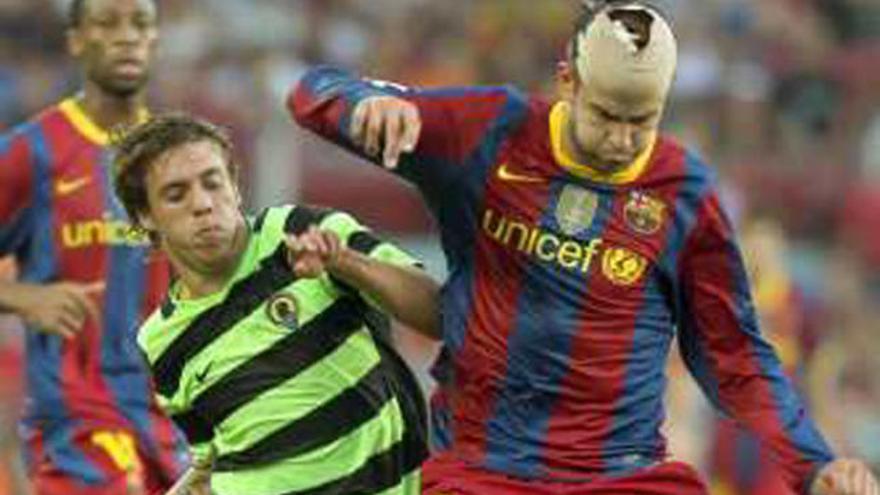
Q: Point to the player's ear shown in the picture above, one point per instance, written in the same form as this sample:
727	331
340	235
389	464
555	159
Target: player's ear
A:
238	198
565	80
146	221
75	43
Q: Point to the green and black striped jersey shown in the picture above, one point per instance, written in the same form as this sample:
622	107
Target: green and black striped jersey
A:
282	378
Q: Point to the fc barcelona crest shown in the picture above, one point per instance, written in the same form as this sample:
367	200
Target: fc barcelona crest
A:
576	209
644	213
282	310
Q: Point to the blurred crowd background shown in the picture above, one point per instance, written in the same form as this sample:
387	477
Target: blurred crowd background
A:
783	96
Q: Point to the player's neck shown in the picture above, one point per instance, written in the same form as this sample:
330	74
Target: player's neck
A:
109	111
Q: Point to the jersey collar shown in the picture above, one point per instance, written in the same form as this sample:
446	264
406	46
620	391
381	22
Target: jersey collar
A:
559	116
74	112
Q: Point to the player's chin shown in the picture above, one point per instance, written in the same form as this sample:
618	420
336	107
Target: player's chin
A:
212	255
125	85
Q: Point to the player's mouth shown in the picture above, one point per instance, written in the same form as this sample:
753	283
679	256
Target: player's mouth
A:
619	158
129	67
208	236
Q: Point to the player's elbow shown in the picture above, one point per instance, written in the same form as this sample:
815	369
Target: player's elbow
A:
298	104
315	93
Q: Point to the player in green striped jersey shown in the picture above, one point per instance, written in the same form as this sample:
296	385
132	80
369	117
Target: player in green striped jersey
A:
263	352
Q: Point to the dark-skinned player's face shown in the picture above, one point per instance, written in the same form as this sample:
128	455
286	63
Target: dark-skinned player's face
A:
114	43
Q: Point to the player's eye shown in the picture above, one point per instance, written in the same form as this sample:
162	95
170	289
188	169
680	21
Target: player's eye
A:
105	22
174	194
212	181
143	22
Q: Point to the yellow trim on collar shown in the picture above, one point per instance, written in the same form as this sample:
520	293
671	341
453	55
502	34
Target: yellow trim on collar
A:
86	126
558	119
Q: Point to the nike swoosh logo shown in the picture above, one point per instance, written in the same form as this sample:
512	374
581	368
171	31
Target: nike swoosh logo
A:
69	186
506	175
201	375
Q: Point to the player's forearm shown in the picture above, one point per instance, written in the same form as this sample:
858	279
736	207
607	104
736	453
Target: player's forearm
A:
407	294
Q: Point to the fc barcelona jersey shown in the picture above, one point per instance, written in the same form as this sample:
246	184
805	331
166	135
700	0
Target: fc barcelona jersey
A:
62	223
567	287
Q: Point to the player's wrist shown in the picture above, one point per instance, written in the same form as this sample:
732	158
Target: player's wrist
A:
345	264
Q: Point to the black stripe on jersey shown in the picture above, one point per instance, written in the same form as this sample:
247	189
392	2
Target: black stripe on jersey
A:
332	420
303	216
194	427
363	242
381	472
167	308
261	218
282	361
245	296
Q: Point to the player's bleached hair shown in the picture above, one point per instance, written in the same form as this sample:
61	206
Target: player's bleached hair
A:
138	148
628	44
590	9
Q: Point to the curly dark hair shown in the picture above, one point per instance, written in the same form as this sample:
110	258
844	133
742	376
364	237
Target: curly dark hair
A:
138	148
76	11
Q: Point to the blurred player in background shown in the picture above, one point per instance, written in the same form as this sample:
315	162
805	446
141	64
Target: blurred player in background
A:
264	349
90	425
579	241
12	481
739	465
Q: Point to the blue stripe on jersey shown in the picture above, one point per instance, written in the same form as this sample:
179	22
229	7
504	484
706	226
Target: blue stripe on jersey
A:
122	366
44	352
66	455
639	412
464	204
534	378
13	233
40	264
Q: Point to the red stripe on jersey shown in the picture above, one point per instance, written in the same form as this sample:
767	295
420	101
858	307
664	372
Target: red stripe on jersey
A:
168	441
472	118
16	176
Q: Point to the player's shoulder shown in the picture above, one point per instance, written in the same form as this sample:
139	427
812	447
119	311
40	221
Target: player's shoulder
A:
673	160
273	223
536	110
289	218
37	131
36	122
152	334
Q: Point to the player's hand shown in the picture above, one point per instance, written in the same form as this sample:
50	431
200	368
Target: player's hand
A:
386	124
313	252
200	484
134	483
60	308
845	477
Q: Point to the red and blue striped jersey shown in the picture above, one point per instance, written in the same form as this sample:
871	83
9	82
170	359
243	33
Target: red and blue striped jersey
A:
61	221
567	286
